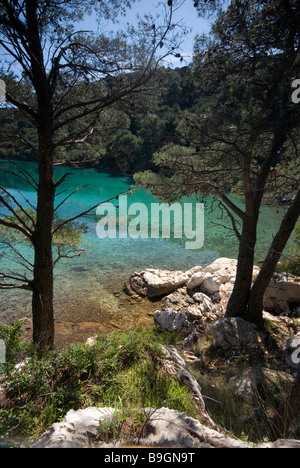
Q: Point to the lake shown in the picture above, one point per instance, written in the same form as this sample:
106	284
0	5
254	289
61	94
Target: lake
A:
89	288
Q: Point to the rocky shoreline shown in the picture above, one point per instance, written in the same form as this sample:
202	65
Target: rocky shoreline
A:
193	303
202	293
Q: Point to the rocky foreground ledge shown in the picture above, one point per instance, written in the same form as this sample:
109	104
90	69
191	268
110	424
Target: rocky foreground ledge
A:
166	428
194	302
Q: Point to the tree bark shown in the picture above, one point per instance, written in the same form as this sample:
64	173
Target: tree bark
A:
255	306
42	296
42	286
237	304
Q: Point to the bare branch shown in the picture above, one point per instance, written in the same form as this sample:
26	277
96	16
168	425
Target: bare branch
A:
13	211
26	175
69	254
63	179
15	277
74	141
70	195
87	211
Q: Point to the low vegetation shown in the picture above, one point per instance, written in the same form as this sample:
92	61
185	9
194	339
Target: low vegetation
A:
119	370
122	370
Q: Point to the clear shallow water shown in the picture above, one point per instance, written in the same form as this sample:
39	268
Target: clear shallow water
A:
87	288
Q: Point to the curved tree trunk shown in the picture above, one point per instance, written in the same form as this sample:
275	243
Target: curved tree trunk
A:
255	306
237	304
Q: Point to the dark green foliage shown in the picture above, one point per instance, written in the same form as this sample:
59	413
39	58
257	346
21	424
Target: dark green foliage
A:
11	334
125	137
117	367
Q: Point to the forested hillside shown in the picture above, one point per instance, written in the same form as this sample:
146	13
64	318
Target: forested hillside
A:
126	136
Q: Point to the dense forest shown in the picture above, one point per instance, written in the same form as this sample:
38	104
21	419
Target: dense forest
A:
127	135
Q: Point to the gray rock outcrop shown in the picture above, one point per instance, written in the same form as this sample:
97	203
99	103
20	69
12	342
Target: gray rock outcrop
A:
283	293
254	381
171	320
217	279
165	428
234	332
156	283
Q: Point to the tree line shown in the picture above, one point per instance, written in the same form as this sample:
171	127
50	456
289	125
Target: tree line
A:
125	136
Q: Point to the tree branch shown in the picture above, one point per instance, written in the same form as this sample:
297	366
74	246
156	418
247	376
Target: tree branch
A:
7	205
86	212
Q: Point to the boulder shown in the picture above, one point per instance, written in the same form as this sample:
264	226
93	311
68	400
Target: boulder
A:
283	293
192	271
156	283
78	429
196	280
171	320
292	343
292	348
179	300
224	268
165	428
203	306
234	332
136	285
206	281
194	312
211	284
259	380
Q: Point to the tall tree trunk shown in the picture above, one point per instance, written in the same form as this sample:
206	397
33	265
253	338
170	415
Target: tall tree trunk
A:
255	306
237	304
42	298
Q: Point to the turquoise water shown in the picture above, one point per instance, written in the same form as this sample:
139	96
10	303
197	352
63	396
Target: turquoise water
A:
86	286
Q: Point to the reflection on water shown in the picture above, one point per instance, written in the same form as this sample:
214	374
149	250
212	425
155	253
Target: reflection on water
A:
87	288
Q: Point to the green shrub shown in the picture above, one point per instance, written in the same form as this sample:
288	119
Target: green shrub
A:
14	346
118	365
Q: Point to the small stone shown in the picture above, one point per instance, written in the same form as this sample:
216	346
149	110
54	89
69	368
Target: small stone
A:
172	320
